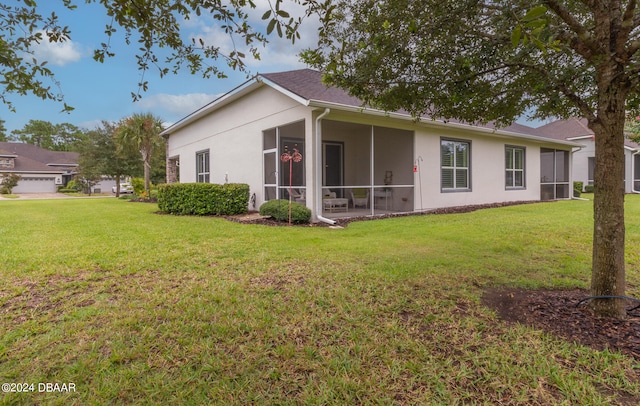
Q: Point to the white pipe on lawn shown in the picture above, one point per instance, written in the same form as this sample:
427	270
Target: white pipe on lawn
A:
318	185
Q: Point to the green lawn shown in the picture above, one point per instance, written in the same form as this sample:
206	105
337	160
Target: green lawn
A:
139	308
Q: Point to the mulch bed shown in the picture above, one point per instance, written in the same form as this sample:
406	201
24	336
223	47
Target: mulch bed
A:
558	312
255	218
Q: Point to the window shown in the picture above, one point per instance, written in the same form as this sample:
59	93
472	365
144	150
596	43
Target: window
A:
202	166
591	166
514	167
455	165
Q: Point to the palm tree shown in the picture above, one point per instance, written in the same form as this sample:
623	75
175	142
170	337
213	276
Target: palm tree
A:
141	131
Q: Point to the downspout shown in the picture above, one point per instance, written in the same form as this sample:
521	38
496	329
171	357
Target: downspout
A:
318	185
633	172
571	185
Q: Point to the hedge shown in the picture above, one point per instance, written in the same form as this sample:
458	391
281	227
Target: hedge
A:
203	198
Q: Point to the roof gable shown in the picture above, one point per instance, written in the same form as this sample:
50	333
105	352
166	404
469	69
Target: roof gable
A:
31	158
307	84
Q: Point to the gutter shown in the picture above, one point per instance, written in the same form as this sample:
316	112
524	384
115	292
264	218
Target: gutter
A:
318	182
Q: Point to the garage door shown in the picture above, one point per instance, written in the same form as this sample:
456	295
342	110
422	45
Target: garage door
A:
36	185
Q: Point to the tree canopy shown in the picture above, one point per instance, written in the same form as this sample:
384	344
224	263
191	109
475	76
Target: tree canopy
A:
494	60
154	26
54	137
141	132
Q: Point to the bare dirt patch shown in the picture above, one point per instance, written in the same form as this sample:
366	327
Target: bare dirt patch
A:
559	312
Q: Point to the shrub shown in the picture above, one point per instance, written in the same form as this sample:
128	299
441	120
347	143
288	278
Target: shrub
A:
138	186
588	189
279	210
577	188
73	185
204	198
8	183
67	190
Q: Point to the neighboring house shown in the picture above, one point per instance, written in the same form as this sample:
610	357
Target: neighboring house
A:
388	158
41	170
576	129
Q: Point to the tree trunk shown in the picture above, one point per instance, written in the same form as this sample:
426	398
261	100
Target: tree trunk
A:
147	178
608	264
146	160
117	185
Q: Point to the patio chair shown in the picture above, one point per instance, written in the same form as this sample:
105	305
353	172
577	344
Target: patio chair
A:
360	197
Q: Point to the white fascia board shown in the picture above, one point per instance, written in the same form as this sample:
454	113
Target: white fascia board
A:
247	87
440	123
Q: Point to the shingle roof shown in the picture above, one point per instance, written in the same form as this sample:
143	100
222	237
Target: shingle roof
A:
572	128
31	158
307	83
563	129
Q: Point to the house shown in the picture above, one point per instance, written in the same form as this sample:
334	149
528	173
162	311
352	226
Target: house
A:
393	162
576	129
41	170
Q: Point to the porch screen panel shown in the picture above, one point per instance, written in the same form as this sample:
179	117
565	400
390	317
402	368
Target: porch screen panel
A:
270	168
562	166
554	174
547	164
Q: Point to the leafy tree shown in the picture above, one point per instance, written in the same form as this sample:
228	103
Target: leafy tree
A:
99	154
3	131
159	163
54	137
153	24
9	181
479	61
141	132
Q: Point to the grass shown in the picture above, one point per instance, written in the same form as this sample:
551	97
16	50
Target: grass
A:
138	308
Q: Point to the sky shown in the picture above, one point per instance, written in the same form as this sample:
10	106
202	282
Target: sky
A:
102	91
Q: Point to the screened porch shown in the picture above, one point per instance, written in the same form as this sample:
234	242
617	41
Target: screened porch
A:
366	170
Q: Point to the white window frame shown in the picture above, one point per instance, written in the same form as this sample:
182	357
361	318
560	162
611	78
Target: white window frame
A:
512	150
203	166
456	166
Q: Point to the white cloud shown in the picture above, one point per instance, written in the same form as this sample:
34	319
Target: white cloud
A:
56	53
182	104
278	54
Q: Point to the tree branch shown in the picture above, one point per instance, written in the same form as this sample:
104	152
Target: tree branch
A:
584	107
582	39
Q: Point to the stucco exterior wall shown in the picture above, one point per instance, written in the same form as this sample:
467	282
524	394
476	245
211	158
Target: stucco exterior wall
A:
581	163
233	136
487	170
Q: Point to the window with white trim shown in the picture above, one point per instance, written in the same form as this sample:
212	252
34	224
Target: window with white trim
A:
514	162
455	173
202	166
